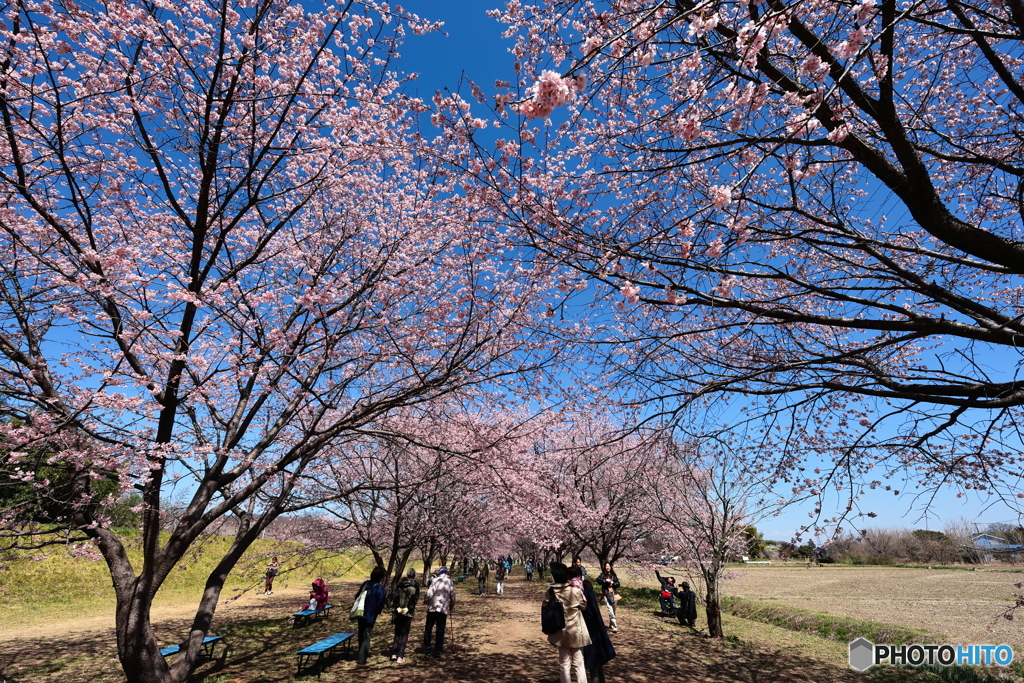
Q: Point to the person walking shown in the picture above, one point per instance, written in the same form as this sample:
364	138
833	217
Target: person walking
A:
571	640
609	583
482	571
529	570
376	601
440	603
404	604
600	650
268	577
499	579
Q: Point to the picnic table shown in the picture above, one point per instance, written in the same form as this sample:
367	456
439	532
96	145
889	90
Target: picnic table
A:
307	615
320	650
207	649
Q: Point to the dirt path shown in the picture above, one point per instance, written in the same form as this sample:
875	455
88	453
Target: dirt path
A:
491	638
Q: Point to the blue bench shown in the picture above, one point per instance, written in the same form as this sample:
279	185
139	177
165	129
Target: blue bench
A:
322	649
207	650
460	578
307	615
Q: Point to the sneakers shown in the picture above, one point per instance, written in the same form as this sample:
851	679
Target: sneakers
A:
400	660
394	658
615	630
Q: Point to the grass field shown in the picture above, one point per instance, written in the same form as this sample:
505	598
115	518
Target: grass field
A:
959	606
40	587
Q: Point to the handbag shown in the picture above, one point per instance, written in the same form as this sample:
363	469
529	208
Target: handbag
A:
616	596
359	606
552	615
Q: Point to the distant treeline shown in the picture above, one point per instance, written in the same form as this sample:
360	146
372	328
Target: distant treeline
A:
958	544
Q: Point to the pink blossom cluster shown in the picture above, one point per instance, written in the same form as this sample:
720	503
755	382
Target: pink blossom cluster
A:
551	91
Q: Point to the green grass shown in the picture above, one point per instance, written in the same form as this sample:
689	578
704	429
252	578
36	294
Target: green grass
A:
52	582
640	598
824	625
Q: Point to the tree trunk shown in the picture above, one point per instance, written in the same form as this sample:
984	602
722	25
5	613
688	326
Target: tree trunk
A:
713	607
428	561
137	648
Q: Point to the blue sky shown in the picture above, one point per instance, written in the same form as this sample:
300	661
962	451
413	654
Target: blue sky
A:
472	46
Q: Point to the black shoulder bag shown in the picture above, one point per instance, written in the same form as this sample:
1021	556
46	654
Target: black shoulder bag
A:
552	615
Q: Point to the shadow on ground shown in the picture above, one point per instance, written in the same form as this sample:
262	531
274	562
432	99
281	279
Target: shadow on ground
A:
497	639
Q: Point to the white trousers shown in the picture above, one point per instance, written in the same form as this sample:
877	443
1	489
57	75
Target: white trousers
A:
609	602
571	656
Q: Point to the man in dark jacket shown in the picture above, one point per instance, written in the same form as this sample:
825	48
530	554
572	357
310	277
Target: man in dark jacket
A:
376	601
404	604
668	594
687	612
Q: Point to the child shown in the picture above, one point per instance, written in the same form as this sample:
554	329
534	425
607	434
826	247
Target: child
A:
268	578
317	596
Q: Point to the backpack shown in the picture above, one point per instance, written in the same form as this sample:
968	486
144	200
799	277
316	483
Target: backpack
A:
400	601
552	615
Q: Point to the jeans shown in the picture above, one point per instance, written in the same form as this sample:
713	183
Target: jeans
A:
365	631
402	625
482	585
609	602
571	656
438	620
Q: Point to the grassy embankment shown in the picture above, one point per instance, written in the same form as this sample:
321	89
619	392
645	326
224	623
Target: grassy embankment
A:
43	586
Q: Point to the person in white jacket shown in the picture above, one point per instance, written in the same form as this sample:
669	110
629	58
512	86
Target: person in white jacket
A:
440	603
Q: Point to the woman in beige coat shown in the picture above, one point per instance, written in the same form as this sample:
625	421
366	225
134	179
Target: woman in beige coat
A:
571	640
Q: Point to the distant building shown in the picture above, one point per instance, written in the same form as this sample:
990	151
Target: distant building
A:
990	545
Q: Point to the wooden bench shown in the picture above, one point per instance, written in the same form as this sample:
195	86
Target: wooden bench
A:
207	649
322	649
307	615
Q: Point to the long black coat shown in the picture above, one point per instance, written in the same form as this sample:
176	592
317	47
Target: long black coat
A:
687	606
600	649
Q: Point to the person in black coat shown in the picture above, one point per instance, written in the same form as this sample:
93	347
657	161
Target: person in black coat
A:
600	650
687	612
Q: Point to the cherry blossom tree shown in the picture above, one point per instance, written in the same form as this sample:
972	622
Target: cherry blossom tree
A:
812	208
707	502
418	481
227	247
601	478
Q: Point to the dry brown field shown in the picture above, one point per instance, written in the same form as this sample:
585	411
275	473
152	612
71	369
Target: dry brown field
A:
954	604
